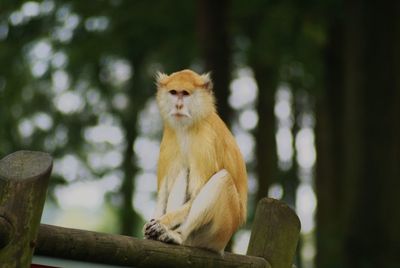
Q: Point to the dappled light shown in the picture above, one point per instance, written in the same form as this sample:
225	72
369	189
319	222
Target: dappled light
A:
248	119
96	24
316	125
104	133
275	191
43	121
243	90
69	102
147	161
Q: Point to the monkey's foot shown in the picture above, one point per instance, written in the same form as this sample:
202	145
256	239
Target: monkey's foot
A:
158	231
171	237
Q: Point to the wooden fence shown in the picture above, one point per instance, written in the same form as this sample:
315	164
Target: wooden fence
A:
24	178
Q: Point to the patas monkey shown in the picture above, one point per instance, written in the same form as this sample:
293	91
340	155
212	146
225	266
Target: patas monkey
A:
202	181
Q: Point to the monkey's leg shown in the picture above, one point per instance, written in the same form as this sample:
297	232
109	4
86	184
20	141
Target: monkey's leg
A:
213	216
172	205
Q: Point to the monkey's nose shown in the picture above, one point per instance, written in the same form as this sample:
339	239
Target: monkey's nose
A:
179	106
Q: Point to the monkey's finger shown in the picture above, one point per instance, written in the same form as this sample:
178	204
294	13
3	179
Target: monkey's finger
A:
154	233
152	222
154	225
149	225
156	228
150	228
147	232
153	237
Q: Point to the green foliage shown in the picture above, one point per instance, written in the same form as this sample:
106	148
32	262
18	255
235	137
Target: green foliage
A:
69	66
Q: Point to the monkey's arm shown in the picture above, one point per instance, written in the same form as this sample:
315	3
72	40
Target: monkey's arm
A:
162	198
176	217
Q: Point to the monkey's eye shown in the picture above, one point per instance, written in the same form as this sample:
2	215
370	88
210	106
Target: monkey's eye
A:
173	92
185	93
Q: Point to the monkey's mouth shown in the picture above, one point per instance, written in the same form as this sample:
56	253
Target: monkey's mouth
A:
180	115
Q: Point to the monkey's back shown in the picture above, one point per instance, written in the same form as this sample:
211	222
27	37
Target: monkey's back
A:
230	158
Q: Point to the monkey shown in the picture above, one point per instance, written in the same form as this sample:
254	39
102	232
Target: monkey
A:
201	173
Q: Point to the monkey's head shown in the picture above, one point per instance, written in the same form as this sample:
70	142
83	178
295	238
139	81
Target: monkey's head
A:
184	97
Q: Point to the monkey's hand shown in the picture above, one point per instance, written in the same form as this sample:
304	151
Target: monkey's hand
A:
158	231
148	231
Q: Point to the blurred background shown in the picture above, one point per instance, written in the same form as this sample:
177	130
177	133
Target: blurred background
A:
310	89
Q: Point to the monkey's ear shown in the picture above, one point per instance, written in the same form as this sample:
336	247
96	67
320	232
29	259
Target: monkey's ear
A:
161	79
208	84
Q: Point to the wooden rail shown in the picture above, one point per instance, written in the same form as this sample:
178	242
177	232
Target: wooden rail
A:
24	178
121	250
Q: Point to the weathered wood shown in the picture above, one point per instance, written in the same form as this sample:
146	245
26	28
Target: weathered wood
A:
24	178
54	241
6	232
275	233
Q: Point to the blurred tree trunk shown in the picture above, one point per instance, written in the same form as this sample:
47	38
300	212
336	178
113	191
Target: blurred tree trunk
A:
372	236
267	80
130	221
358	167
290	177
329	145
129	218
264	58
214	41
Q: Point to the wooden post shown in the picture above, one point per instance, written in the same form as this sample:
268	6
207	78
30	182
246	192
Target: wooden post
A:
275	233
24	178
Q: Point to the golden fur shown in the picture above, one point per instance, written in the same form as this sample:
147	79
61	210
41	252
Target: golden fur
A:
200	143
215	149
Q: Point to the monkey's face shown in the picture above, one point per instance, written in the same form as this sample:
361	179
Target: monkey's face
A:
181	107
183	99
178	102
